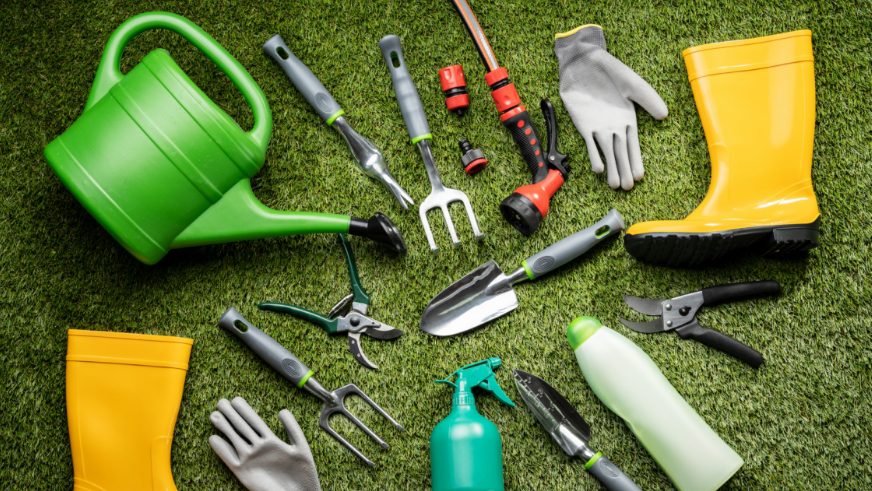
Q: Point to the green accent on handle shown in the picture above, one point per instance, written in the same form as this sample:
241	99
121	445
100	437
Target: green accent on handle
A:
528	270
580	329
238	215
305	379
426	136
360	295
335	116
592	461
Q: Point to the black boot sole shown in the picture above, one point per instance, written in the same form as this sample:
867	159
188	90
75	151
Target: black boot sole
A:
690	250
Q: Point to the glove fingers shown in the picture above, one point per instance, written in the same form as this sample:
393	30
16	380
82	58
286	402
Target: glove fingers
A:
236	420
295	433
635	153
221	423
606	144
623	161
639	91
251	417
224	451
596	163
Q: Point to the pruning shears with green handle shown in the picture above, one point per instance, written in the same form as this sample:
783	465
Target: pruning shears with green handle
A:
348	316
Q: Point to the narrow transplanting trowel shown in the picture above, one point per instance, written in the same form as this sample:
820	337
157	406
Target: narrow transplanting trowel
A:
487	293
569	430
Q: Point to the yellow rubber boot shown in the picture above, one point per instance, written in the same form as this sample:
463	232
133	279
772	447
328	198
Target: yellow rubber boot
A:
756	100
123	395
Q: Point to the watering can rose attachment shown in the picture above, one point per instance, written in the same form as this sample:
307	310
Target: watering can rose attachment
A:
161	166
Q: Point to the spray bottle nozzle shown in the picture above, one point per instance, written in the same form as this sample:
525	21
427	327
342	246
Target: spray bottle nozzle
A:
479	374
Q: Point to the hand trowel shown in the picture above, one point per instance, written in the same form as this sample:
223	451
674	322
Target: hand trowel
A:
487	293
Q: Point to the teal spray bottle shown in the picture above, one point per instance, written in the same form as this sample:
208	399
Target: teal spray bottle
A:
466	451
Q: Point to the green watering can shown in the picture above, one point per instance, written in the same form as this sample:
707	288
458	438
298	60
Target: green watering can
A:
161	166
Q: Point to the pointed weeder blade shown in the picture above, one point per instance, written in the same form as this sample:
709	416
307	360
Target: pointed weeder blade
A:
402	196
649	327
357	351
324	423
647	306
342	307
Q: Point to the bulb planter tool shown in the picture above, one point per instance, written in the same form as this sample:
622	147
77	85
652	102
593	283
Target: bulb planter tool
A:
160	166
528	205
568	430
291	368
679	315
346	317
487	293
419	131
367	156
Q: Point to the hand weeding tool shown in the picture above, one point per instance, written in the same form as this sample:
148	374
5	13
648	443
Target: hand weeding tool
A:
569	430
419	131
487	293
348	316
292	369
528	205
679	314
367	156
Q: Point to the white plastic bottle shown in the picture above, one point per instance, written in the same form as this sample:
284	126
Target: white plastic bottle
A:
630	384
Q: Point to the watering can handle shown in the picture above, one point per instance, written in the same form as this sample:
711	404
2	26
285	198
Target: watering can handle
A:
109	71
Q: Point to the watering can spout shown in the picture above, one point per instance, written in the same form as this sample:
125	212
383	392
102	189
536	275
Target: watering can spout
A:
239	215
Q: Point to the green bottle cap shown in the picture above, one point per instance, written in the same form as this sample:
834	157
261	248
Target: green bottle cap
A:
580	329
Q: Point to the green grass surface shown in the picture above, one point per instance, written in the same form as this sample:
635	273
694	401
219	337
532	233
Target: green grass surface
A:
800	422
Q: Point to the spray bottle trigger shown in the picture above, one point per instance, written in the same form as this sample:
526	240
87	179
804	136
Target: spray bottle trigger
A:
491	385
447	381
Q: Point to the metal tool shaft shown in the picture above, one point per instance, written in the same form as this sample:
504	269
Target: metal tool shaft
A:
370	160
430	165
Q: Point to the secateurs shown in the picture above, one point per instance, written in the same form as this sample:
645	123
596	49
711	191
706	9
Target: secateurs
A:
419	131
292	369
528	205
679	314
348	316
367	156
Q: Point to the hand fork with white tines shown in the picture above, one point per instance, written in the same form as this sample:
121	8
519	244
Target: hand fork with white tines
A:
419	131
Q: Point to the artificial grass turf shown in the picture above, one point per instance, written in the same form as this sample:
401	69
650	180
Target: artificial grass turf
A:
801	421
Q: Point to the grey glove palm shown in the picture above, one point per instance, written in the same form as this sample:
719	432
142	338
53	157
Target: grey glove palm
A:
256	456
599	91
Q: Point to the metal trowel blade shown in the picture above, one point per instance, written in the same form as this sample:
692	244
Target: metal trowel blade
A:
476	299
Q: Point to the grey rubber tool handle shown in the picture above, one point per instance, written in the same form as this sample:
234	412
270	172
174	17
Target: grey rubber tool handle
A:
404	88
267	348
564	251
303	79
611	477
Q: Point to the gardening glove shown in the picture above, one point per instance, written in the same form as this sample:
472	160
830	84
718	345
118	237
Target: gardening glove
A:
599	91
259	459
